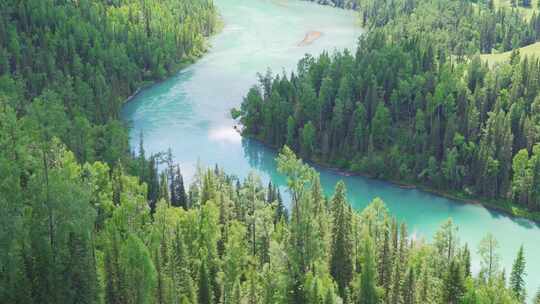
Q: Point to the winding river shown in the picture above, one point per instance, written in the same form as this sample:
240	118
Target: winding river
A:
190	114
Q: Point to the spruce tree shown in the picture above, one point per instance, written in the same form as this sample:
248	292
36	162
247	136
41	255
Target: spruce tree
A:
454	286
164	188
171	178
205	290
517	277
409	287
281	211
395	292
152	180
178	268
341	262
368	292
466	260
424	285
385	263
179	189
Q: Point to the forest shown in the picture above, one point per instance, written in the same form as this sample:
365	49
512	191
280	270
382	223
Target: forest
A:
80	234
464	27
403	109
86	220
76	62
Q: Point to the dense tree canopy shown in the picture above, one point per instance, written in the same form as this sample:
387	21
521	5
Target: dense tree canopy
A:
404	111
85	222
84	58
66	240
464	27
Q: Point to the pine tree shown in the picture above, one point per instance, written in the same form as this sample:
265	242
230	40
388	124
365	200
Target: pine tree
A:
152	181
142	159
368	292
270	194
281	211
179	190
164	188
409	287
178	268
466	261
395	292
204	291
385	264
117	183
341	262
454	286
160	284
517	277
424	285
403	244
171	178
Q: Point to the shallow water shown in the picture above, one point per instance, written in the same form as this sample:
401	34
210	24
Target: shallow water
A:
190	114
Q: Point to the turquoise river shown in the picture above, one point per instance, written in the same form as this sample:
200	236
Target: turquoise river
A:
190	114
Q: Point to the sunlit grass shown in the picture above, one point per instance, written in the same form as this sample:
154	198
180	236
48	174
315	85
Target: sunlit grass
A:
532	50
526	11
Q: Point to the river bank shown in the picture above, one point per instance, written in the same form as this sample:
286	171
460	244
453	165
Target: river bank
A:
182	64
185	112
500	205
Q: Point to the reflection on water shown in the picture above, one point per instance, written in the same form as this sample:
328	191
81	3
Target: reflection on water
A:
224	134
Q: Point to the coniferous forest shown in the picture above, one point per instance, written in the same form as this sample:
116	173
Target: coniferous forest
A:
406	108
76	62
85	220
90	236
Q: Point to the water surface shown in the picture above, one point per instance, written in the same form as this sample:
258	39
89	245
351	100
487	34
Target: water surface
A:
190	114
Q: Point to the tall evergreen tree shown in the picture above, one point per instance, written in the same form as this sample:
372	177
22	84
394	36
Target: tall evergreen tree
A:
517	277
205	288
341	262
368	291
409	287
454	287
180	197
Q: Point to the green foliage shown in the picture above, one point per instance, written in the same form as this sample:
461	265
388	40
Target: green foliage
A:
464	27
78	62
413	114
138	271
97	226
517	276
90	237
341	263
205	293
368	291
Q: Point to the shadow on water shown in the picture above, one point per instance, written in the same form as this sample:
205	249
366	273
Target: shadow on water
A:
362	189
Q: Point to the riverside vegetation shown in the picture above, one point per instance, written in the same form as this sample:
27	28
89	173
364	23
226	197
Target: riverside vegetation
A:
86	221
80	234
406	108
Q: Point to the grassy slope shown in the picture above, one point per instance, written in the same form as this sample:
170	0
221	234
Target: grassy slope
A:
532	50
527	12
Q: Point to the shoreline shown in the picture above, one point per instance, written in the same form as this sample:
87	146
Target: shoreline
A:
509	209
149	83
457	196
182	64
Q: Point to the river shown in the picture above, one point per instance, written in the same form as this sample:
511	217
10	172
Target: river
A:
190	114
